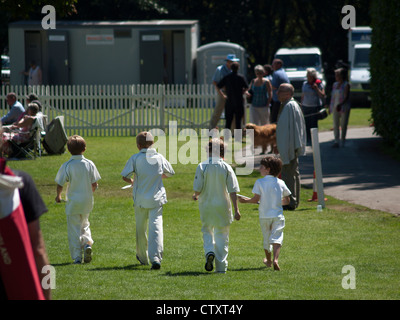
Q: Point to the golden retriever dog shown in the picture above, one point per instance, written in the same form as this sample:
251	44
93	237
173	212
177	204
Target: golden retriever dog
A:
264	136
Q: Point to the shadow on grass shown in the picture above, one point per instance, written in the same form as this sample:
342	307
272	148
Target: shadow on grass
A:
201	273
137	266
186	273
61	264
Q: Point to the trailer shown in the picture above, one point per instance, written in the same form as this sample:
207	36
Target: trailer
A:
359	42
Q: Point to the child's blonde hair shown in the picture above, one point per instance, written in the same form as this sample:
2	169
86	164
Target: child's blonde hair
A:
76	145
145	139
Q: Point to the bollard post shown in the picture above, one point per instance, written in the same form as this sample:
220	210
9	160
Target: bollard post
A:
317	166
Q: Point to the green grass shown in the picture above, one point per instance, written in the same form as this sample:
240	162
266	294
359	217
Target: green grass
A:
315	249
359	117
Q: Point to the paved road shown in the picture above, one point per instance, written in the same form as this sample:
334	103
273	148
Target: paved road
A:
358	173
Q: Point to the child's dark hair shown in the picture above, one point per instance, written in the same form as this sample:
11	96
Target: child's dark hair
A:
145	139
76	145
274	163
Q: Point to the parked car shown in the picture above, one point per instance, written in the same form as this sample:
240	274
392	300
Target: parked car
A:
5	69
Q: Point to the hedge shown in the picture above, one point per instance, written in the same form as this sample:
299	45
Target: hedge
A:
385	70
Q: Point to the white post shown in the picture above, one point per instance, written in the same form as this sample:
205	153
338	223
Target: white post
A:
317	166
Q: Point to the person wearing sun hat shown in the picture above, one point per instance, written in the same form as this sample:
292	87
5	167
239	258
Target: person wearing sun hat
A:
221	71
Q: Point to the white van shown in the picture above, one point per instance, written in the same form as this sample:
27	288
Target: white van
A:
295	63
360	77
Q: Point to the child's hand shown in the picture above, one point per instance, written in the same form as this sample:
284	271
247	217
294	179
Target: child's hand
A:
241	200
195	197
237	215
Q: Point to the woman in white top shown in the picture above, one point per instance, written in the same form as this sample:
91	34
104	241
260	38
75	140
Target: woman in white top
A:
340	106
311	100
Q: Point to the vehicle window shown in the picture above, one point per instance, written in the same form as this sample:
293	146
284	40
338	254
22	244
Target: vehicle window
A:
361	59
5	63
300	61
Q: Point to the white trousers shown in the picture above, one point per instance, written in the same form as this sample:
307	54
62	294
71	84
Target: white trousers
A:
216	239
153	247
79	234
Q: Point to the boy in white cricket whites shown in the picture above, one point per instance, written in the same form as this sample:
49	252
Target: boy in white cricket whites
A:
82	175
271	192
214	183
149	196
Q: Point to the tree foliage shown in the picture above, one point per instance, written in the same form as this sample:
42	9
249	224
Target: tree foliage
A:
260	26
385	63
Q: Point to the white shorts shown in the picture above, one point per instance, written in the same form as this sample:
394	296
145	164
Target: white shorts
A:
272	230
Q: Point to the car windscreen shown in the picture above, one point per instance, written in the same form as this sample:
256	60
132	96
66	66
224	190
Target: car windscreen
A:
300	61
5	63
361	59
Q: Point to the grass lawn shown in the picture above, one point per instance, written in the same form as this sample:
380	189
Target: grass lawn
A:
316	245
359	117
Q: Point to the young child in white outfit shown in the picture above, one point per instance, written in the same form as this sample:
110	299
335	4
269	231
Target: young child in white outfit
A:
214	183
82	176
271	192
149	196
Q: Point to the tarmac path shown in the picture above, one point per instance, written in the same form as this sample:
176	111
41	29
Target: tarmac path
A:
358	173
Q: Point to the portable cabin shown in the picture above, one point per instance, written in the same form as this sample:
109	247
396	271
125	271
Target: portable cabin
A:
105	52
211	55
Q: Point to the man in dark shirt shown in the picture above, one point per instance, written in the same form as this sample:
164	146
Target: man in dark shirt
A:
235	86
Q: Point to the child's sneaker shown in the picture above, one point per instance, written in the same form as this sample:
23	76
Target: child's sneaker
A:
87	254
155	266
209	261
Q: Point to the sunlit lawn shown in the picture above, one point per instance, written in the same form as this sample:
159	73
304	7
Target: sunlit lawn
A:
316	245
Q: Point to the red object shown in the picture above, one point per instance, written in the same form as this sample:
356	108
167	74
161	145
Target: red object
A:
318	81
315	194
17	263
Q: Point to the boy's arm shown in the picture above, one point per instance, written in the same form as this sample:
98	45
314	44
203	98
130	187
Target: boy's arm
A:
285	201
95	185
128	180
59	190
235	205
255	199
196	195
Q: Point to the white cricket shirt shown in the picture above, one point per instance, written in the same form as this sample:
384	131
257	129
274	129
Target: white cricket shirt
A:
148	166
215	179
81	173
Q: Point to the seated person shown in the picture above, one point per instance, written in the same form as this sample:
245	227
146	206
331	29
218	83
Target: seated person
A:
16	109
20	131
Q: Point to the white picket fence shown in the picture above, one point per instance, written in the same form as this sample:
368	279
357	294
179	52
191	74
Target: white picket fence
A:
121	110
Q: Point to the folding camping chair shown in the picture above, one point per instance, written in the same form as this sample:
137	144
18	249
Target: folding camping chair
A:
30	148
